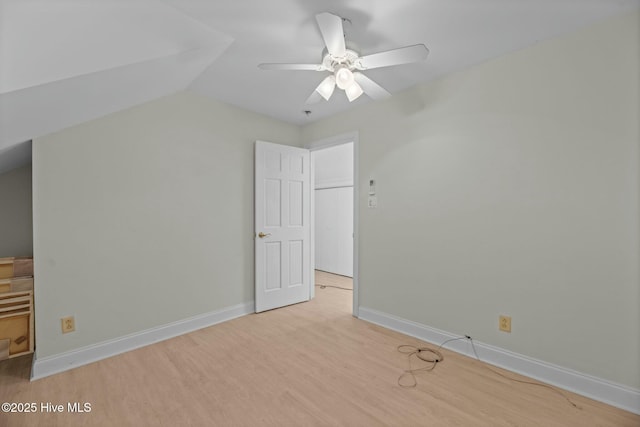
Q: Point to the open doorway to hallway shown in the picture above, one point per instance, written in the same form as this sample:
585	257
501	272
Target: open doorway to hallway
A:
333	209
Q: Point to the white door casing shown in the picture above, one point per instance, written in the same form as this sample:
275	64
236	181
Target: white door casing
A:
282	205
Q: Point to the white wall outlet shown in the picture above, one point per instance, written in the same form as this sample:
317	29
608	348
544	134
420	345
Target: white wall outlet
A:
68	324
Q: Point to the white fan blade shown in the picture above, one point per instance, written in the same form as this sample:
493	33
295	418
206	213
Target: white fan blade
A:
332	33
371	88
292	67
403	55
314	98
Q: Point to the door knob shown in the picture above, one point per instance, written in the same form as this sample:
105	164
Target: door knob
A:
262	235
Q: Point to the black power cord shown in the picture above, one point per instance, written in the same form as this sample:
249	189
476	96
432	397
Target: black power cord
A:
421	353
332	286
437	357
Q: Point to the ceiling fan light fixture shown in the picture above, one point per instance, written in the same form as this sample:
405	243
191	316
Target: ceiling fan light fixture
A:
344	77
353	91
326	87
345	65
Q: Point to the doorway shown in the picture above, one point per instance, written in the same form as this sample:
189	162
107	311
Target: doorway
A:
334	215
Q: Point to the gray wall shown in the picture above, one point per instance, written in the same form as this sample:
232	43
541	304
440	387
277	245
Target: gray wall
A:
512	188
145	217
16	219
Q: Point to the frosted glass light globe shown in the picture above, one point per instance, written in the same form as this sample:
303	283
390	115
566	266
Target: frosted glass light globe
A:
344	78
353	91
326	87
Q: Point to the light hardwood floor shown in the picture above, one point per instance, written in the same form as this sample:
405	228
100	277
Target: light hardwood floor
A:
304	365
327	279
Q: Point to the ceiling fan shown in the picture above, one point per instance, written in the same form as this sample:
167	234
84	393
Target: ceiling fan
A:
346	65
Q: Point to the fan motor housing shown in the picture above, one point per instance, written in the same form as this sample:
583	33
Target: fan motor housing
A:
332	63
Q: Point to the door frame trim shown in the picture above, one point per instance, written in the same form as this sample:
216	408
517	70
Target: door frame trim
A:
345	138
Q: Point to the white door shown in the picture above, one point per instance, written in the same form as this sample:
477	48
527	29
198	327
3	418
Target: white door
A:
282	225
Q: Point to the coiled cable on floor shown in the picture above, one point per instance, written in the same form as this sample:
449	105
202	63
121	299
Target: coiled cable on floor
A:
423	353
433	356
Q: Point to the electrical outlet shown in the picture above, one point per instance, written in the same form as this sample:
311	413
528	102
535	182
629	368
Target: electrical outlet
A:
68	324
504	323
373	202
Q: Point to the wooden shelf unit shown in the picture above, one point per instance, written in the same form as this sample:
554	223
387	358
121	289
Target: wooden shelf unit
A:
16	307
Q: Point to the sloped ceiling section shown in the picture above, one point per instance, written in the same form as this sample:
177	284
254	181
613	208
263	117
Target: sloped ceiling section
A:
64	62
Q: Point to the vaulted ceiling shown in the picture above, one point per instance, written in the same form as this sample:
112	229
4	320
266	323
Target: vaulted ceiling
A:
63	62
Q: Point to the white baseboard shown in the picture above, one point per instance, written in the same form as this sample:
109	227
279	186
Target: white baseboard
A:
43	367
617	395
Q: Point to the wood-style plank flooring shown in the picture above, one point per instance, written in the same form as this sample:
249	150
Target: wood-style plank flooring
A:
304	365
333	280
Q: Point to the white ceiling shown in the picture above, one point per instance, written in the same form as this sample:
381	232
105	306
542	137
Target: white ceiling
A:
63	62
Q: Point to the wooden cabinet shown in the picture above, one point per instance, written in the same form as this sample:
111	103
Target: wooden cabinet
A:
16	267
16	307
